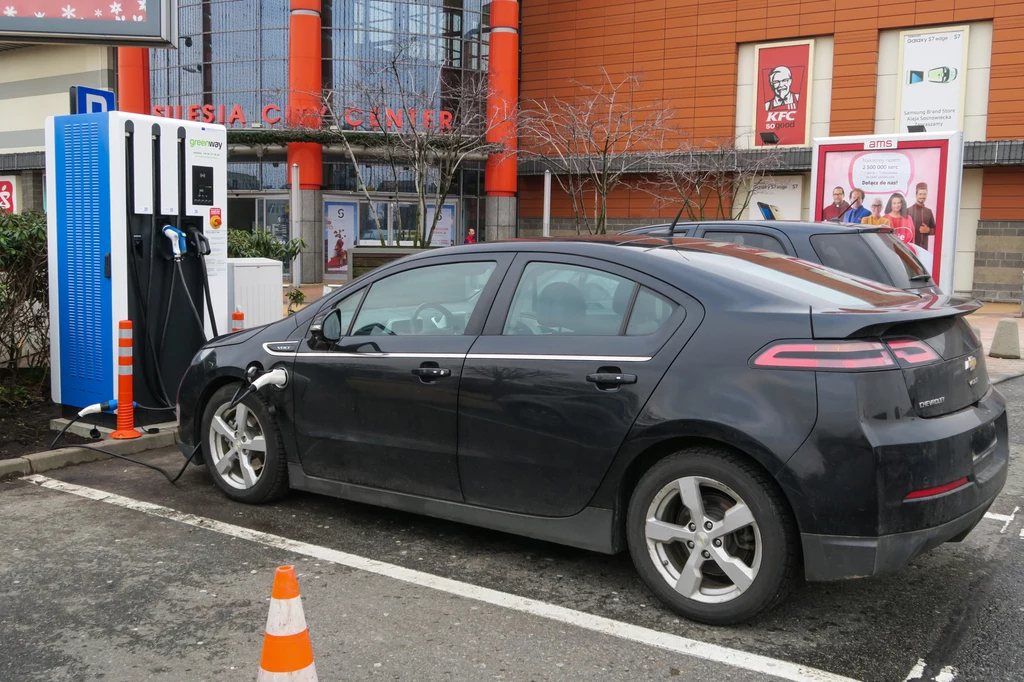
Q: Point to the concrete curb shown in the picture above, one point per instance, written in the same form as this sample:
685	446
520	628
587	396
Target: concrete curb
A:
64	457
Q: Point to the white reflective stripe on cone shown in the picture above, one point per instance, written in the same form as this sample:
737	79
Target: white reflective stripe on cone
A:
285	617
307	674
124	369
124	351
125	333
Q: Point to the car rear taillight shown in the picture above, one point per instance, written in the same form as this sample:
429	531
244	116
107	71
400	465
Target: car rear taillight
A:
912	353
844	356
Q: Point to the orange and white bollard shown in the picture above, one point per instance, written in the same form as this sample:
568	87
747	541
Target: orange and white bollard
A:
237	321
287	651
125	390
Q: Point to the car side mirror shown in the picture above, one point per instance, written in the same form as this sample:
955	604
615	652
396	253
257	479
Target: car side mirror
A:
328	329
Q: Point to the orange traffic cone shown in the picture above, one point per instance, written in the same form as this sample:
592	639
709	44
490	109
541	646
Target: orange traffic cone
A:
287	652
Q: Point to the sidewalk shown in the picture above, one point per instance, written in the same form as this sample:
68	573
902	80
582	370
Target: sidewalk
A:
985	321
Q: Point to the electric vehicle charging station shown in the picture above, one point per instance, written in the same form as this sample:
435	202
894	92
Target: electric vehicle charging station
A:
136	230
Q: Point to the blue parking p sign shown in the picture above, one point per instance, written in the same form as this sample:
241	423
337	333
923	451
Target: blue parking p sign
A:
91	100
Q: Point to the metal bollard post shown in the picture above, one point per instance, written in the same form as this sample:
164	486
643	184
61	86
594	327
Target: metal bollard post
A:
125	390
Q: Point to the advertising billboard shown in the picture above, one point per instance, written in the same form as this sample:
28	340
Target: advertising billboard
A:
8	194
776	197
910	183
339	235
782	102
148	23
933	75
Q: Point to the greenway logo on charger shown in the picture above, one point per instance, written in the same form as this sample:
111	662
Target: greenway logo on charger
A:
206	147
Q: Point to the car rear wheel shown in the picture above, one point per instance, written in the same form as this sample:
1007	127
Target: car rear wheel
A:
712	536
243	449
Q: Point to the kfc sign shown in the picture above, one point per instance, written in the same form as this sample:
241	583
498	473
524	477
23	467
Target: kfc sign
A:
783	93
8	203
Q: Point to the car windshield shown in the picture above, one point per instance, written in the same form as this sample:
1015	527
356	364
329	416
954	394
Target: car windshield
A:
875	255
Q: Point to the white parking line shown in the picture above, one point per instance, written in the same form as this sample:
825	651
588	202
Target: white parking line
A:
1007	519
917	672
681	645
947	674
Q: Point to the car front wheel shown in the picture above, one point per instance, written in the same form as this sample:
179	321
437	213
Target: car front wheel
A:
712	536
243	449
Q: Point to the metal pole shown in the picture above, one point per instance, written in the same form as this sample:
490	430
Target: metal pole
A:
547	203
296	224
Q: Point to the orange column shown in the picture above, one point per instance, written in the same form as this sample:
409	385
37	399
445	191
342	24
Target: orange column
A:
304	89
503	100
133	79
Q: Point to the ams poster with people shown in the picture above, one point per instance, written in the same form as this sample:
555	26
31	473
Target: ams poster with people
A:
910	183
783	93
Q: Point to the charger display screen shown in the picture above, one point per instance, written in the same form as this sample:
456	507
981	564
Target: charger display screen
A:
202	186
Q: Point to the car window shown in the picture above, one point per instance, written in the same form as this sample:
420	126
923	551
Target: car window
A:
650	311
556	298
335	328
850	253
436	300
901	263
754	239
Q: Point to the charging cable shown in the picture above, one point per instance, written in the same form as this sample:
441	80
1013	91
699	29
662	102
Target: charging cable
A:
111	406
275	377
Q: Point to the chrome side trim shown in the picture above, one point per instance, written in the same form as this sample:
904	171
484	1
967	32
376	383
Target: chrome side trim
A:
340	354
464	356
279	353
583	358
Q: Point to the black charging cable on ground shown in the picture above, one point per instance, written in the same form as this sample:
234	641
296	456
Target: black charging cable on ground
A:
166	474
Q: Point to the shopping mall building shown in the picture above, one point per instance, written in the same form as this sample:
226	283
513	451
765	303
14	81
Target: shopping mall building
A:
845	70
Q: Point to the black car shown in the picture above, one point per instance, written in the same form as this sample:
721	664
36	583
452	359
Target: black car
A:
732	417
863	250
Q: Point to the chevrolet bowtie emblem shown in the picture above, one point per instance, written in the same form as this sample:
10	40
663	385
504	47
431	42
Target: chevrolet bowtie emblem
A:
970	363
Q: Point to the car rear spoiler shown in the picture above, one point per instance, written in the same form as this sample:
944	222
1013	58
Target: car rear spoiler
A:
845	323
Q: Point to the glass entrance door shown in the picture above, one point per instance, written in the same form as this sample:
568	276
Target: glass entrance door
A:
252	213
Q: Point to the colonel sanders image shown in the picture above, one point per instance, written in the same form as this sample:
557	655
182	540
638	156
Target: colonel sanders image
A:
781	80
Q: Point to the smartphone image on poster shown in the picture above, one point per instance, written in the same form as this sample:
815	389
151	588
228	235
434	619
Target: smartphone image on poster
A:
769	211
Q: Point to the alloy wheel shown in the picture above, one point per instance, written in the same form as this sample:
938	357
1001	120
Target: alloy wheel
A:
703	539
238	446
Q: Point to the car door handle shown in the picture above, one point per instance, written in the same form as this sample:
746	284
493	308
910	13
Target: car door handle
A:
611	379
432	372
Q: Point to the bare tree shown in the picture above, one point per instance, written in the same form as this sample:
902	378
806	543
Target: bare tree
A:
595	141
423	122
712	180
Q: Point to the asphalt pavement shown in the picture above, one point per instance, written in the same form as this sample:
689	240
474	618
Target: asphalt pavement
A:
116	591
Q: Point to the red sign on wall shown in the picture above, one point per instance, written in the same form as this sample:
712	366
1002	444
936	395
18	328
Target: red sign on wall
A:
7	196
783	93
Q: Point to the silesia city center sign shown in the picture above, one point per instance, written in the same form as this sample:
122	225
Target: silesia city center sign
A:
273	115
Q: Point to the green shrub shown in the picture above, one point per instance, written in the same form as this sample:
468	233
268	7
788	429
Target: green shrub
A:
24	291
262	244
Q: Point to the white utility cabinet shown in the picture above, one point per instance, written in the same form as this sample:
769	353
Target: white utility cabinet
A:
255	287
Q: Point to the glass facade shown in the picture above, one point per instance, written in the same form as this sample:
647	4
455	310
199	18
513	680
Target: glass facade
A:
229	52
235	53
439	44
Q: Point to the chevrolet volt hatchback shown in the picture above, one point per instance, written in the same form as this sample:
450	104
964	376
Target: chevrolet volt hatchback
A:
733	417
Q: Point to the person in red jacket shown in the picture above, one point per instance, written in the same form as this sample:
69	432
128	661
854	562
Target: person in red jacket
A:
470	237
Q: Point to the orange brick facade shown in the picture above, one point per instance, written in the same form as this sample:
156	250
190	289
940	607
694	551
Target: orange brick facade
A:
687	52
